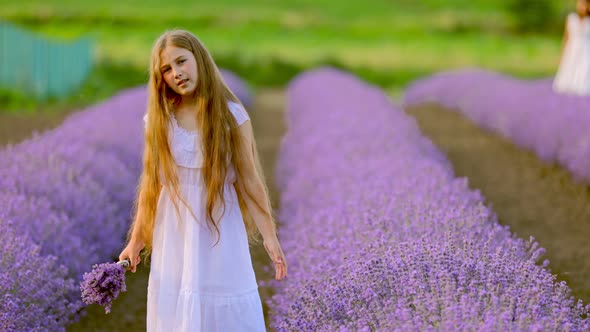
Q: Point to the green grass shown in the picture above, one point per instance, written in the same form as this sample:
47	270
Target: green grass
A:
100	85
267	42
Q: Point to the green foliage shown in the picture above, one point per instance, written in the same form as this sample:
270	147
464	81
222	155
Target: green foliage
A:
259	71
267	42
15	100
278	72
533	16
105	80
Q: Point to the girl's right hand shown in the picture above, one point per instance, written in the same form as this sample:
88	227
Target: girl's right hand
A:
132	252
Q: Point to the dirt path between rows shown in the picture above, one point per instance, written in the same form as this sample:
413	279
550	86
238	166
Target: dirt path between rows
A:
15	127
532	197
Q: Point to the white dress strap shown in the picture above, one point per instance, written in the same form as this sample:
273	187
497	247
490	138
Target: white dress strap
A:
236	109
239	112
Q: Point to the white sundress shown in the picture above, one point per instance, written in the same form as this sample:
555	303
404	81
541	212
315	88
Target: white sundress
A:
573	75
193	286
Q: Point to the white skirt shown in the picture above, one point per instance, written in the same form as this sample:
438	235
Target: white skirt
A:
192	285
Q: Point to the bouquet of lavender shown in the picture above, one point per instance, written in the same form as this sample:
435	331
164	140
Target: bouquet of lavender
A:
104	283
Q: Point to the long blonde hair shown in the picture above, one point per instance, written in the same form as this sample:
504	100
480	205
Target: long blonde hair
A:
218	143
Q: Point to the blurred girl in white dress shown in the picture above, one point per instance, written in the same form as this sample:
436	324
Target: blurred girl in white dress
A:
573	75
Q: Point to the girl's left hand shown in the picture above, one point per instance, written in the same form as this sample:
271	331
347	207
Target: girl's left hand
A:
273	248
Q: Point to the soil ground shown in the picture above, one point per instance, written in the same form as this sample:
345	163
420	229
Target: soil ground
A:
532	197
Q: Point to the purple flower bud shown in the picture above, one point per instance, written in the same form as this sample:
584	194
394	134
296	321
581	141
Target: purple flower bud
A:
103	284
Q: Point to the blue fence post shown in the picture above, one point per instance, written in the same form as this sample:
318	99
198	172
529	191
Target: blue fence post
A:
43	68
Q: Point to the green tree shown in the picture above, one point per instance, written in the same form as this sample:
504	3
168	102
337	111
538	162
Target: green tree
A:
533	15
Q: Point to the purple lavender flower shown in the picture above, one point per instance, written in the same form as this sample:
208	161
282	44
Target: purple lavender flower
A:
103	284
238	86
35	291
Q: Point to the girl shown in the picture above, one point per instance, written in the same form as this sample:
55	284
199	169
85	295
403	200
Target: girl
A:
201	197
573	75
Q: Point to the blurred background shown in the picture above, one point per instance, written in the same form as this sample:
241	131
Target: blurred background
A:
267	42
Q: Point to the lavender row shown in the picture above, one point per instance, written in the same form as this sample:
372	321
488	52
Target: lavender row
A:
529	113
380	234
71	188
68	192
65	204
36	292
239	87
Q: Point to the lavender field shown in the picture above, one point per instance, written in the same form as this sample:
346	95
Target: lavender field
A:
380	234
555	126
66	199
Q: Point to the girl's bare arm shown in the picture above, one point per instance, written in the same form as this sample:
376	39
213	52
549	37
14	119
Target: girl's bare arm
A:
255	185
